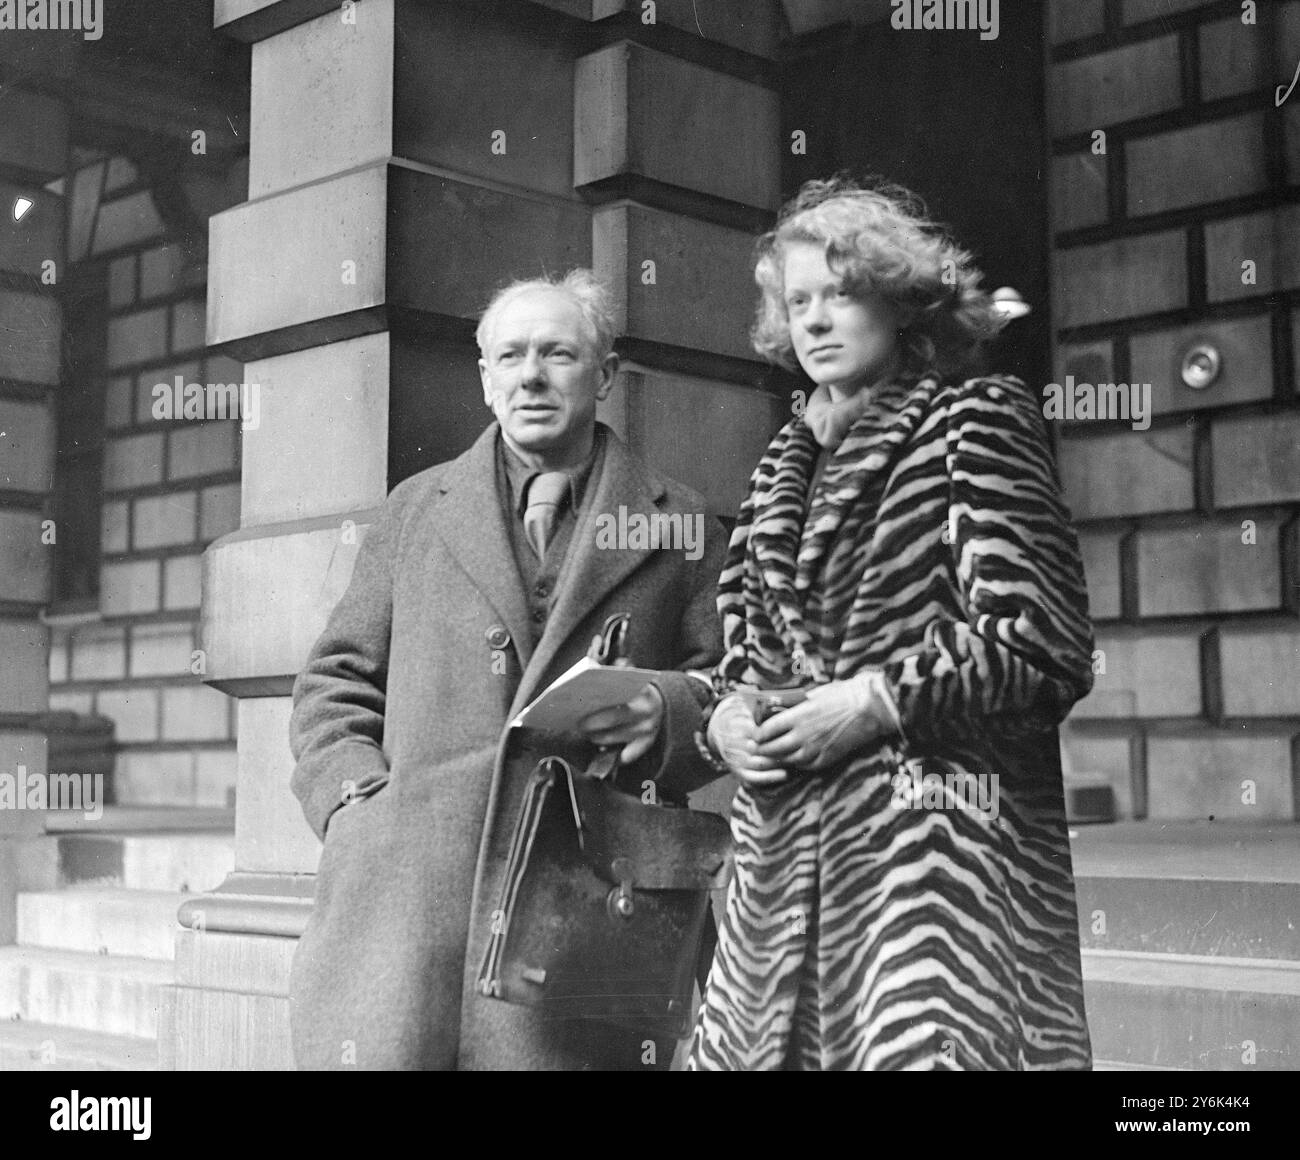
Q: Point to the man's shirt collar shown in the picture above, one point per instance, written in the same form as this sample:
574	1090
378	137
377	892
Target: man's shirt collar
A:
519	474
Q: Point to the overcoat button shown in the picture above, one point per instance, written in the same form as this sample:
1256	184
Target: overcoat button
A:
497	636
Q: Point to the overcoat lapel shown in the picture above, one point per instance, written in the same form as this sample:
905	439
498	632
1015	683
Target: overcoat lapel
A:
858	469
589	572
471	524
785	553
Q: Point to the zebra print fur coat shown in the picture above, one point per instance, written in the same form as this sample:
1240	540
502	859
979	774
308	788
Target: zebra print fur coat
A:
884	914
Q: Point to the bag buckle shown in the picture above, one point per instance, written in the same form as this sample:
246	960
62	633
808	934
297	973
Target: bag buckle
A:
620	902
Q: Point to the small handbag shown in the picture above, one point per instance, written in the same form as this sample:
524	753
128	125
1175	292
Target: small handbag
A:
605	912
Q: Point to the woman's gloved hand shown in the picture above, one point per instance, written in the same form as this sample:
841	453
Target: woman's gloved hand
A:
832	722
733	736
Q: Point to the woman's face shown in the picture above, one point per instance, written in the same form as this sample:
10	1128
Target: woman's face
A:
843	340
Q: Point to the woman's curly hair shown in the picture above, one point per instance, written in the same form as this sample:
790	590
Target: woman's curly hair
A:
878	238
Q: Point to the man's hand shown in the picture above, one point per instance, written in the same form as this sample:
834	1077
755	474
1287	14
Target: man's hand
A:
634	725
733	736
833	721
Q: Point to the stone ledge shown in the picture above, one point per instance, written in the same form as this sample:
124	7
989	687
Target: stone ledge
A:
625	93
1224	851
254	904
280	263
702	294
253	20
418	241
131	819
1194	972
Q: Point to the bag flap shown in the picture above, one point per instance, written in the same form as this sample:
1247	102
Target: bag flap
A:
651	847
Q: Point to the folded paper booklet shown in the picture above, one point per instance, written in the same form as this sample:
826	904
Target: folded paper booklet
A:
582	690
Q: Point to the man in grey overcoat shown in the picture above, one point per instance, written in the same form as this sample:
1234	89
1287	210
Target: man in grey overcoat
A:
471	593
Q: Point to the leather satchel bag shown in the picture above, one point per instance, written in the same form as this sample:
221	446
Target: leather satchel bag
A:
605	904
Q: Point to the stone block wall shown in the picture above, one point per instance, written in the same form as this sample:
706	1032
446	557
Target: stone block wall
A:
1175	204
170	486
34	146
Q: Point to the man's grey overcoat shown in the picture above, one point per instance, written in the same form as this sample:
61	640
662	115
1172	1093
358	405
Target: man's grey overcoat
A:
401	710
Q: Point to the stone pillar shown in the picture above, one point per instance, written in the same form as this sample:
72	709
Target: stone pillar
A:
33	152
405	159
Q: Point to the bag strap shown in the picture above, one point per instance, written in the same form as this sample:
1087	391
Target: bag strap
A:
540	784
609	648
708	944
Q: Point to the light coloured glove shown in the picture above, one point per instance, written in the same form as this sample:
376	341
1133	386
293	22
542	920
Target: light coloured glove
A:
732	735
832	722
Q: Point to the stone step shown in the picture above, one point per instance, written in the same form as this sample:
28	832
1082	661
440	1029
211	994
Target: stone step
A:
1198	1012
108	993
26	1046
101	920
1225	851
1253	920
1191	889
156	861
145	820
1111	1065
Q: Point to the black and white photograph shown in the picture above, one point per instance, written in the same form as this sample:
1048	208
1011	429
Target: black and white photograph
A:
651	535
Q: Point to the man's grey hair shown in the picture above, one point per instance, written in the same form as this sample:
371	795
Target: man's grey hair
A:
588	292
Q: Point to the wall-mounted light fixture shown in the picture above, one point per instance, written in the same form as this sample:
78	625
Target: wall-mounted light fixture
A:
1009	304
21	207
1201	366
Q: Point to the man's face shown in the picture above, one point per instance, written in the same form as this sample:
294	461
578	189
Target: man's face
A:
541	377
